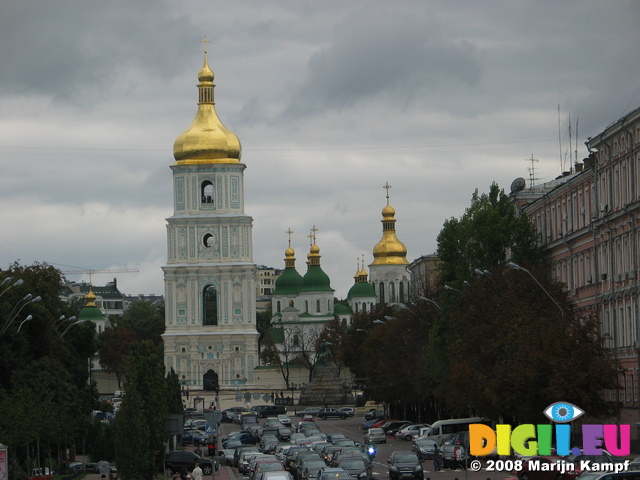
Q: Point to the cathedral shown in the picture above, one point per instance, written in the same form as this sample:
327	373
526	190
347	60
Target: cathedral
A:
211	340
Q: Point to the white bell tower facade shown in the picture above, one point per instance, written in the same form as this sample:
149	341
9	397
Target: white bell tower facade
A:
210	339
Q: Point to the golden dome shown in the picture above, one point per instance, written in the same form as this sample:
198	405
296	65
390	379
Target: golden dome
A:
206	140
389	250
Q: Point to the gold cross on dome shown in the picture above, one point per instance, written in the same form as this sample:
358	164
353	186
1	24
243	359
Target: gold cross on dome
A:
289	232
313	233
386	186
205	42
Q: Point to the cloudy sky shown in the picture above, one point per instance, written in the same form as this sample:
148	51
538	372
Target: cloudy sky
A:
330	99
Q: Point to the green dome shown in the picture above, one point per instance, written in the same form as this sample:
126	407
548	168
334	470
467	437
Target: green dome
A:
361	289
90	312
316	280
289	283
340	309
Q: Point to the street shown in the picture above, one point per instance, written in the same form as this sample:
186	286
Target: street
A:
351	428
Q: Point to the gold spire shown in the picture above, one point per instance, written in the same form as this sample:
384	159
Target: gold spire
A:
289	253
206	140
389	250
90	298
314	252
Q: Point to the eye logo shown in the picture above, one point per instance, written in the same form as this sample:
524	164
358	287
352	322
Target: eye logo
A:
563	412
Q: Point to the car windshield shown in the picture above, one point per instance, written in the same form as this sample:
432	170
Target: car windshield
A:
405	458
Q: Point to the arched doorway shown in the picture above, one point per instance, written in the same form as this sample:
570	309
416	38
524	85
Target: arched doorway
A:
210	381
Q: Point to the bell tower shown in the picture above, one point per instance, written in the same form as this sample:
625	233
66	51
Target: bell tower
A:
209	278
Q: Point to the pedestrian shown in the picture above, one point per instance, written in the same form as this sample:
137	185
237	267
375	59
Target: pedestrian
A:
183	473
457	457
436	458
197	451
197	472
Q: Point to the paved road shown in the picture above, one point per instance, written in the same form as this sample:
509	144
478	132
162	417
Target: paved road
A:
352	428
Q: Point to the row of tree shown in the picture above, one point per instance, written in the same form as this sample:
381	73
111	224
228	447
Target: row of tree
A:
46	393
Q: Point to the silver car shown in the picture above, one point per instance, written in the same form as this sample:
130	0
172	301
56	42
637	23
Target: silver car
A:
375	435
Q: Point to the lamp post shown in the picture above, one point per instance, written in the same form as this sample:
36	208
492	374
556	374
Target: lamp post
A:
17	283
77	322
30	317
425	299
515	266
26	300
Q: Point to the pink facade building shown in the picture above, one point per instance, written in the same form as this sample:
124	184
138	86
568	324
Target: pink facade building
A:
588	223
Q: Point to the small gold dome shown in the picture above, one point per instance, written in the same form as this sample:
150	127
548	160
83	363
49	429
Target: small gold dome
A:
206	140
289	252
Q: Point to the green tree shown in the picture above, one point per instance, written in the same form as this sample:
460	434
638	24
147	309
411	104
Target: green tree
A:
146	320
513	351
114	346
174	393
139	425
488	235
276	350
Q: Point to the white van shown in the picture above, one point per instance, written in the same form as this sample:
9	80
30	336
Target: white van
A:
442	428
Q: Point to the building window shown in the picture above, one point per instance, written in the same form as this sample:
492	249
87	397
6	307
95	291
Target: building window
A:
278	306
381	287
401	292
210	306
318	306
392	292
207	191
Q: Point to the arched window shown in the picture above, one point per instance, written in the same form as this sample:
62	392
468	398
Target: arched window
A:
401	292
318	306
364	307
392	292
306	306
356	307
278	306
210	306
206	190
381	289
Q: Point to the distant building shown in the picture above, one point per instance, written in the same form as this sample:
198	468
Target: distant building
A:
424	274
266	278
108	298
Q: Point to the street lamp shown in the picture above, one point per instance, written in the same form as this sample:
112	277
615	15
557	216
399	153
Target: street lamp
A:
30	317
78	322
515	266
449	287
26	300
17	283
425	299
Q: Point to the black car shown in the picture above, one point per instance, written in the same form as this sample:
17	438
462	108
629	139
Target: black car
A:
325	413
404	465
176	460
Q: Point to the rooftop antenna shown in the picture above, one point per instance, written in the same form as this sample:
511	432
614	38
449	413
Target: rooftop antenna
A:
576	150
570	167
559	137
532	171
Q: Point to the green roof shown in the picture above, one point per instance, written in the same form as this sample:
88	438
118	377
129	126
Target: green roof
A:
362	289
288	283
90	313
340	309
316	280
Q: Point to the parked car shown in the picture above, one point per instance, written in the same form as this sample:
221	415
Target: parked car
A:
449	445
273	411
576	462
371	414
176	460
404	465
423	447
409	432
308	411
225	457
350	411
375	435
333	473
356	466
284	420
325	413
194	437
392	426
